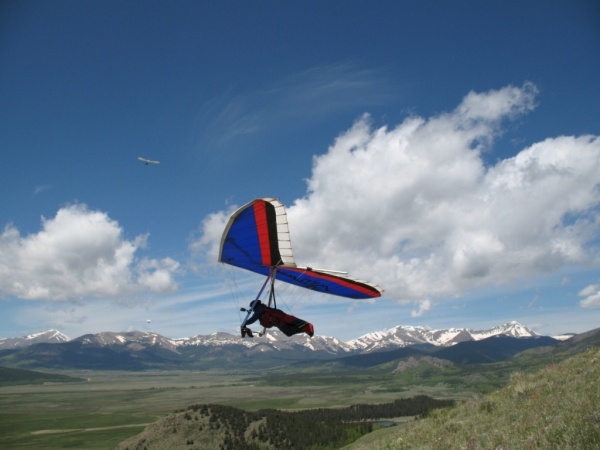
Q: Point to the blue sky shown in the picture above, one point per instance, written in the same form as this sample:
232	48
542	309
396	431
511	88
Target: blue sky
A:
447	151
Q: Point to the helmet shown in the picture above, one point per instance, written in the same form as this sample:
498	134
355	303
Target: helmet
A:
255	303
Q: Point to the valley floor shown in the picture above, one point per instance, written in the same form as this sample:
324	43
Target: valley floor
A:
109	407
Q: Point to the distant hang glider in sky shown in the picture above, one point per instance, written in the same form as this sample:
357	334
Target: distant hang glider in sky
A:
257	238
148	161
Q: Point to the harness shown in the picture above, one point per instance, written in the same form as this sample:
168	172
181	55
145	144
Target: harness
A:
272	318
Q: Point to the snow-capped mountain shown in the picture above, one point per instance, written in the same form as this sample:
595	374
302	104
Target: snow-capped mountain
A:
388	339
135	340
403	336
51	336
274	339
138	350
514	329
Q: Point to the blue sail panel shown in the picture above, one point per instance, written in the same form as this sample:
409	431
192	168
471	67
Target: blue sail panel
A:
257	235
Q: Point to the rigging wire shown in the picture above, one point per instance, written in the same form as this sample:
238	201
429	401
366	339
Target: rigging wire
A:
294	294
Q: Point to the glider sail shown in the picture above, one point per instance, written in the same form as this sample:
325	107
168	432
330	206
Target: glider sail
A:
147	161
257	238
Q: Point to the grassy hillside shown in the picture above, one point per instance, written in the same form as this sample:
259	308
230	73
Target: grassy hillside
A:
557	407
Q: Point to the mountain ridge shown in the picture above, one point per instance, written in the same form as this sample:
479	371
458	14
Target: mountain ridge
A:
396	337
48	336
137	350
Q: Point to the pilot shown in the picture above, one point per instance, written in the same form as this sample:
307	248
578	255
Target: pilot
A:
273	317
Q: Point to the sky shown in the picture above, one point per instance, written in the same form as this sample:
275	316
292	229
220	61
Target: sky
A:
447	151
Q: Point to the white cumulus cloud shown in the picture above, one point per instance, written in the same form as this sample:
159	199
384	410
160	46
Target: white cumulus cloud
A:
211	230
78	254
424	306
591	296
415	208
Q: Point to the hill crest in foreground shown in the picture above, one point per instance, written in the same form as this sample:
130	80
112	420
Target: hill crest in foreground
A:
556	407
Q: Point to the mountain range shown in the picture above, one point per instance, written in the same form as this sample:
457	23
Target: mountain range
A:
397	337
136	350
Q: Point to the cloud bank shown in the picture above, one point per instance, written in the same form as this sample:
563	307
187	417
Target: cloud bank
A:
79	254
416	209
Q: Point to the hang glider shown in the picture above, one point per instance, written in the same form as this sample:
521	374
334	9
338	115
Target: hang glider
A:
148	161
257	238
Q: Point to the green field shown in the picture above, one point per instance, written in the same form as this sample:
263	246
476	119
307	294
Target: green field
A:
111	406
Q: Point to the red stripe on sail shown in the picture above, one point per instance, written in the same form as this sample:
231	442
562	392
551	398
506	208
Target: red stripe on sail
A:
262	228
351	284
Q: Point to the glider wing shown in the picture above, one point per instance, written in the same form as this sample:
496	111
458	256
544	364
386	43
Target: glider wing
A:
148	161
257	238
328	283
